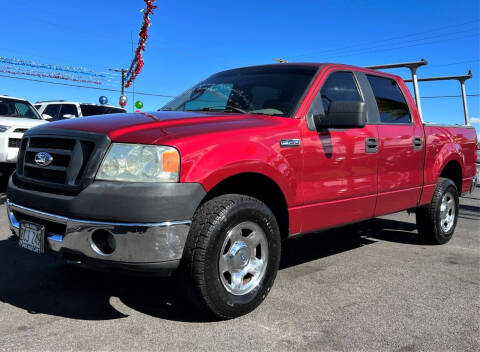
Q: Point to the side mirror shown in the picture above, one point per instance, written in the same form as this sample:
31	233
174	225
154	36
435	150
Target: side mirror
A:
47	117
68	116
343	114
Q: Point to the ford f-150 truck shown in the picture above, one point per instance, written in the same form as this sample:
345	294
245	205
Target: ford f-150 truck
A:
211	184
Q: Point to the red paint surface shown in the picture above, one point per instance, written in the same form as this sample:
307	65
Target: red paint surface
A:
328	181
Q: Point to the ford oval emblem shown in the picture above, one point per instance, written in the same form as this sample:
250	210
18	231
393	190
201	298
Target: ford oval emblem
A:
43	159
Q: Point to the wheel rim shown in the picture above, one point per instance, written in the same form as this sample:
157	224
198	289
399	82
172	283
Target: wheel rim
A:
447	212
243	258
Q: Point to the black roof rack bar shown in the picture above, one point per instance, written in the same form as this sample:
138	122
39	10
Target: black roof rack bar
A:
461	79
49	101
413	69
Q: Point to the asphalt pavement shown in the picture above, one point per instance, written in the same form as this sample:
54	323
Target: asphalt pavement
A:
370	286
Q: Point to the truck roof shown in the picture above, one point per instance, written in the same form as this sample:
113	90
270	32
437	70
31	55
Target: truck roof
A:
13	98
319	65
71	102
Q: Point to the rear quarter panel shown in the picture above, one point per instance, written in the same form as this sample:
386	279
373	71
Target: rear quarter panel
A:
445	144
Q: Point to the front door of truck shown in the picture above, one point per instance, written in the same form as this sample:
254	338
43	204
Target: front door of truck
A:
400	151
340	167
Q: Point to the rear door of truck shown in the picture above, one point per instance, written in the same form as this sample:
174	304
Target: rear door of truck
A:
401	146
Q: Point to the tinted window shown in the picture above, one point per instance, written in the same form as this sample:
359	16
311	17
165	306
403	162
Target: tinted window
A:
270	90
390	101
52	110
91	109
68	109
339	86
17	108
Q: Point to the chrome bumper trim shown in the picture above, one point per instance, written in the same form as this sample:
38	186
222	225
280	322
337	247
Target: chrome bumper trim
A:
135	242
65	220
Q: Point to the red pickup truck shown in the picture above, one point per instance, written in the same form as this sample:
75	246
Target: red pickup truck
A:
210	185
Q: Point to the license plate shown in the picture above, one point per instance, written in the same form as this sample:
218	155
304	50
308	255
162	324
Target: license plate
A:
31	237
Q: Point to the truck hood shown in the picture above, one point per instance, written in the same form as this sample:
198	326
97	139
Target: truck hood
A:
162	126
20	122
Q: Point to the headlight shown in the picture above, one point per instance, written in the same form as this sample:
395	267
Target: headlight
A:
140	163
4	128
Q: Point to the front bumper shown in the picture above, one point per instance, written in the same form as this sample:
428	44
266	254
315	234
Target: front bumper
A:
147	247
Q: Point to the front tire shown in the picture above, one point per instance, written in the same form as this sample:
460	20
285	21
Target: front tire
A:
436	221
231	257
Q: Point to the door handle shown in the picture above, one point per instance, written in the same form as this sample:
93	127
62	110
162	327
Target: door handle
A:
371	145
417	143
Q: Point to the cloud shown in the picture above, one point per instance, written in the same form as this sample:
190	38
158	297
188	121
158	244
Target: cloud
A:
475	120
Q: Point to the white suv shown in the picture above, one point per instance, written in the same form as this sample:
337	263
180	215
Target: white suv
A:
16	117
62	109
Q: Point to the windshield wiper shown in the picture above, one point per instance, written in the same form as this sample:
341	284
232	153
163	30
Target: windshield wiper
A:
224	108
234	108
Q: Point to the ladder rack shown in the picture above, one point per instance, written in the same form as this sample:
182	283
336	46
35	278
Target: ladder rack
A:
461	79
413	69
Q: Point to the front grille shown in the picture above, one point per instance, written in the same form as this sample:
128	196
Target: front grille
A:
14	142
20	130
75	158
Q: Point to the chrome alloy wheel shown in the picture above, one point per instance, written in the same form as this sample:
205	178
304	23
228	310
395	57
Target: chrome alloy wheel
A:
447	212
243	258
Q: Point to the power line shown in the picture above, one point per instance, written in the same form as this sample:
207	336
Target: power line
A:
452	63
368	50
86	87
449	96
362	45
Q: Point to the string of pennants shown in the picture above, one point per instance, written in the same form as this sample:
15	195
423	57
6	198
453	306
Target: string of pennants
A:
16	66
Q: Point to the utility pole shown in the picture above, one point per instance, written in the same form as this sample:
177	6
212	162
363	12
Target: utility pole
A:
123	98
123	71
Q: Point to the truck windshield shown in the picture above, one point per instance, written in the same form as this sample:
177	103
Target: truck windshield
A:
18	108
269	90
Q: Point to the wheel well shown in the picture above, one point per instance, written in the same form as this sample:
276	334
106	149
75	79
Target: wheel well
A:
453	171
258	186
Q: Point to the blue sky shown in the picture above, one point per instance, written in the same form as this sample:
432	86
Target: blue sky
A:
189	40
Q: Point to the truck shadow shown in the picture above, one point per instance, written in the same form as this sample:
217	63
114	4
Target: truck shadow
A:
44	285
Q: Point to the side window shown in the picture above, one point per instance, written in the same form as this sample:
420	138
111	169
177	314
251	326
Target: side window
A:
52	110
68	109
339	86
390	101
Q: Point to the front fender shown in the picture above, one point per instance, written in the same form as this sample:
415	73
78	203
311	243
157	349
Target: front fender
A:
216	163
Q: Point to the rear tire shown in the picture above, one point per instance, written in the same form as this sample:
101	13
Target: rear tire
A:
436	221
231	257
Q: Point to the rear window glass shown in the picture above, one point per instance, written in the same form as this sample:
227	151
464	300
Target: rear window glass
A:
89	110
390	101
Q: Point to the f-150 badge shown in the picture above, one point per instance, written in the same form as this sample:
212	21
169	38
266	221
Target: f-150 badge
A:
284	143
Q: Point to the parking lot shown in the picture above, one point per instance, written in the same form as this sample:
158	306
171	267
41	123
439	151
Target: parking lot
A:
365	287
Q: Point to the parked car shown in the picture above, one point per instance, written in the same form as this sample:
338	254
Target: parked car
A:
61	109
16	117
211	185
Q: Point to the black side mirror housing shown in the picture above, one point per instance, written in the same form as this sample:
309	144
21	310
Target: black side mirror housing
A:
343	114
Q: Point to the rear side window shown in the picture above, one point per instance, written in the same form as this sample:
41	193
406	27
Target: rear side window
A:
90	110
52	110
68	111
339	86
390	101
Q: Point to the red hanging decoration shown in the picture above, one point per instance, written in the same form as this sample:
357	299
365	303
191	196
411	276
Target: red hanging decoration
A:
137	62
